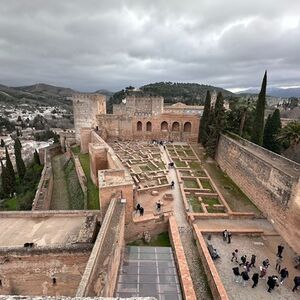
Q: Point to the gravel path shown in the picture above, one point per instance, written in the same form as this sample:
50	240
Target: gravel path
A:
191	252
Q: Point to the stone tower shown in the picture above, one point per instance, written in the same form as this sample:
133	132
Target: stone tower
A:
86	107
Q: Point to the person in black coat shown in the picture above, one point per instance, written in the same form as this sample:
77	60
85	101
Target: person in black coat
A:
297	283
245	277
284	273
255	280
279	250
236	273
272	282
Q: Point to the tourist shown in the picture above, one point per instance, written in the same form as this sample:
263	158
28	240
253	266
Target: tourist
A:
297	283
284	273
158	205
172	184
266	263
279	250
263	272
272	282
164	147
255	280
229	234
247	266
278	264
253	259
245	277
137	208
225	233
243	260
236	273
141	211
234	255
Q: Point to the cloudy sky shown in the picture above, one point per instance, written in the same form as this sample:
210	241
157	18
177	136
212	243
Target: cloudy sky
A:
93	44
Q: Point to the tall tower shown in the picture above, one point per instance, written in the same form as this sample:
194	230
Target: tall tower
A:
86	107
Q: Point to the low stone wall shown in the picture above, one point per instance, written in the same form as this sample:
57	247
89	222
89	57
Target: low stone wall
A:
182	266
271	181
100	275
214	280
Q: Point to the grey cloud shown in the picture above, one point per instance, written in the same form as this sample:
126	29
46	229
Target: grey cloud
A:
94	44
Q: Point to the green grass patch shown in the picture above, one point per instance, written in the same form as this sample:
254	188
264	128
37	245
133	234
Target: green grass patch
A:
190	183
206	184
210	200
195	165
189	152
195	204
179	163
160	240
199	173
181	153
212	210
76	150
145	168
10	204
92	190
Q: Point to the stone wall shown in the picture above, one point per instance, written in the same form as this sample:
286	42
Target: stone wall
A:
100	275
269	180
176	127
31	273
86	107
11	297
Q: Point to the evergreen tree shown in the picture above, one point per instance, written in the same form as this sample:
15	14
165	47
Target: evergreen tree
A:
9	169
272	128
19	160
204	122
2	143
7	187
36	157
258	125
216	126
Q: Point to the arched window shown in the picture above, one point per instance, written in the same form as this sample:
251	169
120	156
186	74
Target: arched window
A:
148	126
187	127
139	126
175	126
164	126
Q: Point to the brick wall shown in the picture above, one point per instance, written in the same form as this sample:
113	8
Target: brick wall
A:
269	180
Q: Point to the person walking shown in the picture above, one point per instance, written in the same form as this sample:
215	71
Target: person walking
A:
229	234
172	184
253	259
280	250
284	273
141	211
266	263
158	205
263	272
271	283
297	283
137	208
243	260
245	277
237	275
255	280
234	256
225	234
278	264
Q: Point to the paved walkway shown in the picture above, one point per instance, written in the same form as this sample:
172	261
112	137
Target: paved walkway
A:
191	252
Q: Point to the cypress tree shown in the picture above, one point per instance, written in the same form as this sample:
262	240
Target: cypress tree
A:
19	160
9	168
272	128
216	126
36	157
258	125
203	130
6	184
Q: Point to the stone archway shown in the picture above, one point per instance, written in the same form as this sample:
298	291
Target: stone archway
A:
139	126
148	126
175	126
164	126
187	127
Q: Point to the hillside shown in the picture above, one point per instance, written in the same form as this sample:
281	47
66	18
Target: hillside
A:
276	92
188	93
35	95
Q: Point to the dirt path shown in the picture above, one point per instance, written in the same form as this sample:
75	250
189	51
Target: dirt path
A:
60	197
191	252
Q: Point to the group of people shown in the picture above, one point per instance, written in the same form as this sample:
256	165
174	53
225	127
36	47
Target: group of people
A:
227	236
139	209
272	282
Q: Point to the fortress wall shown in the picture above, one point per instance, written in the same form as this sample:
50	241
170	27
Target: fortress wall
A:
269	180
31	274
100	275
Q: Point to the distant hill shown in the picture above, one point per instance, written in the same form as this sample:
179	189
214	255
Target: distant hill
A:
188	93
275	92
105	92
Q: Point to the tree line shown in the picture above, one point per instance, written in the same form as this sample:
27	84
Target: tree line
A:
247	119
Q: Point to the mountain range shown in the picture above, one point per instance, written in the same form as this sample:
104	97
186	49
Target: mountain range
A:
275	92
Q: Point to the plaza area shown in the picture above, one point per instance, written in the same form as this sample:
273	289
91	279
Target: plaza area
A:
263	247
